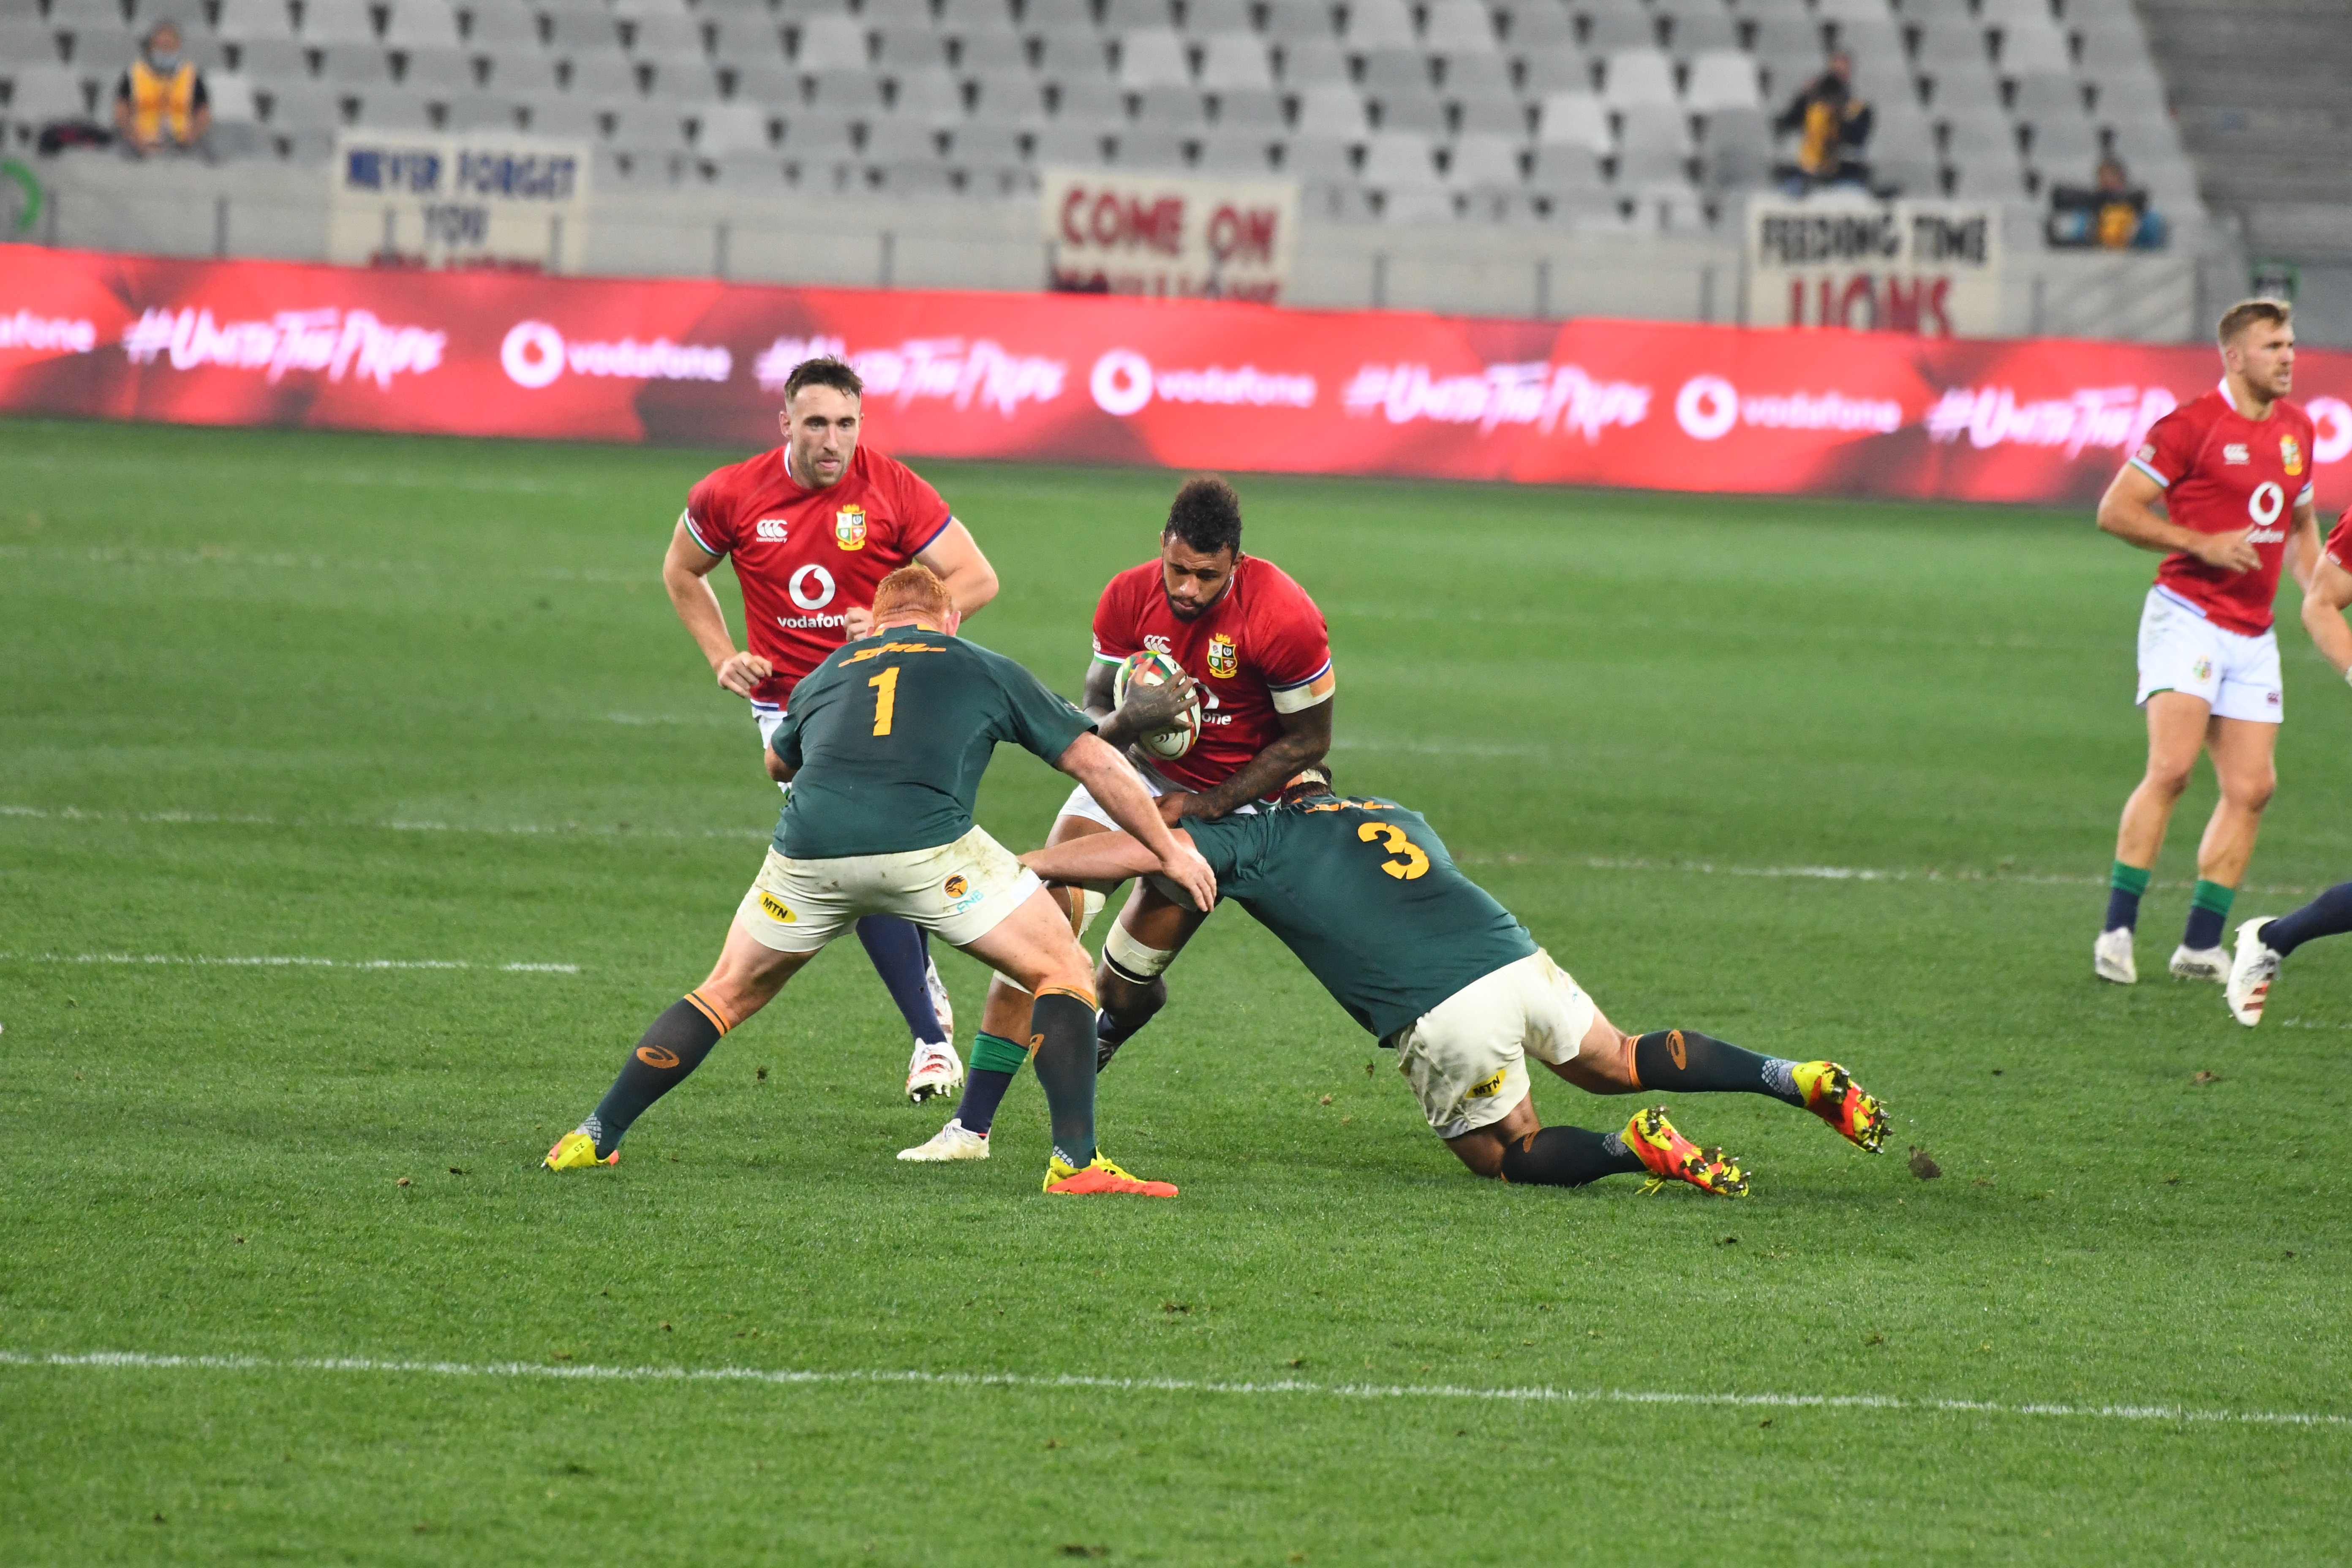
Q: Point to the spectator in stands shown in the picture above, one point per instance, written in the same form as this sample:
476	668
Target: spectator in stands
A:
160	103
1832	122
2112	213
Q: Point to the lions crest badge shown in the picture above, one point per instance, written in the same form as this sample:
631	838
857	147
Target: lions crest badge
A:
2291	454
849	527
1224	659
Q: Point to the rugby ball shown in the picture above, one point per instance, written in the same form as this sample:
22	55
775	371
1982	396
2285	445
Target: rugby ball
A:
1154	669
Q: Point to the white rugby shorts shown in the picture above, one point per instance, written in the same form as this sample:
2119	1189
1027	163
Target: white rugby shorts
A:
960	891
2180	650
1466	1056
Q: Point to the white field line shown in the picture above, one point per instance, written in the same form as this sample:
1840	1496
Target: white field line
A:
140	1361
275	962
1583	862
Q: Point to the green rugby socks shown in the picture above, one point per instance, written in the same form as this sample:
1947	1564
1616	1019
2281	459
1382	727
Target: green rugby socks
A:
996	1062
2124	886
2209	908
671	1048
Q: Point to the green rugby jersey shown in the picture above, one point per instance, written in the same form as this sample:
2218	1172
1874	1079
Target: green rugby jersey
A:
891	735
1365	894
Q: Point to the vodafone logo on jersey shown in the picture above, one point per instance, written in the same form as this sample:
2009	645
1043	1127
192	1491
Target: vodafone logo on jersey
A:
1708	409
535	355
326	341
811	587
1124	383
1530	393
2110	418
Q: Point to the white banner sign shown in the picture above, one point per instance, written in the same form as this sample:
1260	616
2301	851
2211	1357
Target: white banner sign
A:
1929	268
1116	233
436	200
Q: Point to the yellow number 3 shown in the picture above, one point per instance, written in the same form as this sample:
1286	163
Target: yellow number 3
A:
1411	861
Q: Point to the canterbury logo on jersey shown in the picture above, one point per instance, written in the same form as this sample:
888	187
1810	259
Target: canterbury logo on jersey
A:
772	528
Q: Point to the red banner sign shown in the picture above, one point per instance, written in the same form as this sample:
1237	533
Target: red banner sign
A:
1179	383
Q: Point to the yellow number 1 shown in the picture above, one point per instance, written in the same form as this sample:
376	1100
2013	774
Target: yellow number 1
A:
1411	861
885	699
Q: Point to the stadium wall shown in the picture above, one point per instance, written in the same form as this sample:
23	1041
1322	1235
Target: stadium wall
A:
1096	379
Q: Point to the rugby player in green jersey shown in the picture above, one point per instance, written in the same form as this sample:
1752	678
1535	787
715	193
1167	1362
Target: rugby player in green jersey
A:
1364	891
884	744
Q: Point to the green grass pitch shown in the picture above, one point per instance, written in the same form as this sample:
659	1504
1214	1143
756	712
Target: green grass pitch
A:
368	699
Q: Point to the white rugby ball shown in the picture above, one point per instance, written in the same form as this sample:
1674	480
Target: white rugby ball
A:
1155	669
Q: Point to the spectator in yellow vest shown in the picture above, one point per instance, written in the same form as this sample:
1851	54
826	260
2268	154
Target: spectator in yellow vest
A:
160	103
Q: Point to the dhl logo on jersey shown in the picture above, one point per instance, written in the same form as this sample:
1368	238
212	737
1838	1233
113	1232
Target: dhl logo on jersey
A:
862	655
2291	454
1224	659
849	527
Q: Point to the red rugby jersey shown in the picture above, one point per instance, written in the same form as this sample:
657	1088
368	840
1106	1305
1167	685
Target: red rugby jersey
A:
2339	542
2222	472
805	556
1254	653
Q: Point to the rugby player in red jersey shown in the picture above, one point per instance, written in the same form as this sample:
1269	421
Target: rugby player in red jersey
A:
813	527
2232	469
1255	650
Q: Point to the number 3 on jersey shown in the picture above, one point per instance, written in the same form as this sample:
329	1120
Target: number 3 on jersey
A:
885	699
1410	862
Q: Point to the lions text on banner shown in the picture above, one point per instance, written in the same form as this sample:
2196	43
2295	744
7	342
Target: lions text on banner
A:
439	200
1114	233
1177	383
1930	268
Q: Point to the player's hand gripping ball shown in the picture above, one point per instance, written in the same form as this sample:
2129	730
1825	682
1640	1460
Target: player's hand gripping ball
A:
1150	667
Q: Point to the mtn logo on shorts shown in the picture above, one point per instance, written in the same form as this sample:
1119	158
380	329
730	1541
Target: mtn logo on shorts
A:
772	528
849	527
777	910
2235	452
1490	1086
1224	659
956	886
2291	454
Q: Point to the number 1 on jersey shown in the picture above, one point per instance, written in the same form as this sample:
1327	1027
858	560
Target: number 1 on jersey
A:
885	699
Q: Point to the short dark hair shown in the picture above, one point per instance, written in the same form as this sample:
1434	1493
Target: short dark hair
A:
1206	516
1309	783
2246	312
824	372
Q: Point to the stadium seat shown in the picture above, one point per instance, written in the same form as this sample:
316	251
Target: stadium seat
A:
1258	109
1615	26
1291	21
1206	18
273	59
1496	115
1148	147
1978	132
1074	56
1461	27
1177	109
1079	146
355	65
1237	60
241	19
721	129
1235	150
1735	149
1560	170
569	117
818	151
572	33
2046	94
828	43
1153	57
1418	204
846	94
1476	74
231	96
1393	70
1319	160
1373	22
1576	119
1532	26
1669	206
389	108
502	30
523	75
1399	159
1555	70
1638	77
1701	25
2007	13
101	58
26	43
997	53
930	95
1416	112
1055	18
480	111
602	78
1136	16
1008	100
1090	101
1484	163
44	93
420	25
648	127
750	173
1333	110
735	39
666	37
687	80
1989	181
1844	12
1723	79
1652	143
896	140
989	157
439	68
337	22
2068	141
297	106
960	17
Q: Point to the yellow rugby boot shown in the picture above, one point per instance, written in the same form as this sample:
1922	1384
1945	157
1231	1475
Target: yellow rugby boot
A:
1831	1094
1671	1157
1099	1179
577	1152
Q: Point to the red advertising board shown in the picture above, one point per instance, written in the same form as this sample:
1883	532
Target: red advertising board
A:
1181	384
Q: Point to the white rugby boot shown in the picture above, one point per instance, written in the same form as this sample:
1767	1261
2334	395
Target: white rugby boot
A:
2111	957
2252	969
942	1008
950	1143
935	1069
2201	963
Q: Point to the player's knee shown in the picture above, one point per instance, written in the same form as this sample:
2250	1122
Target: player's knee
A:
2166	779
1133	960
1082	905
2252	791
1131	1005
1481	1152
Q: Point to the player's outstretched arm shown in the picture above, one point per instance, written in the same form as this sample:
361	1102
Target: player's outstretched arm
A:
1100	859
1306	739
955	556
686	574
2324	604
2128	512
1119	792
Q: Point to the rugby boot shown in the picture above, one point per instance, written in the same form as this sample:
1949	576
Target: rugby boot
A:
934	1069
1671	1157
1831	1094
2111	957
1100	1178
942	1006
2255	965
2201	963
950	1143
577	1152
